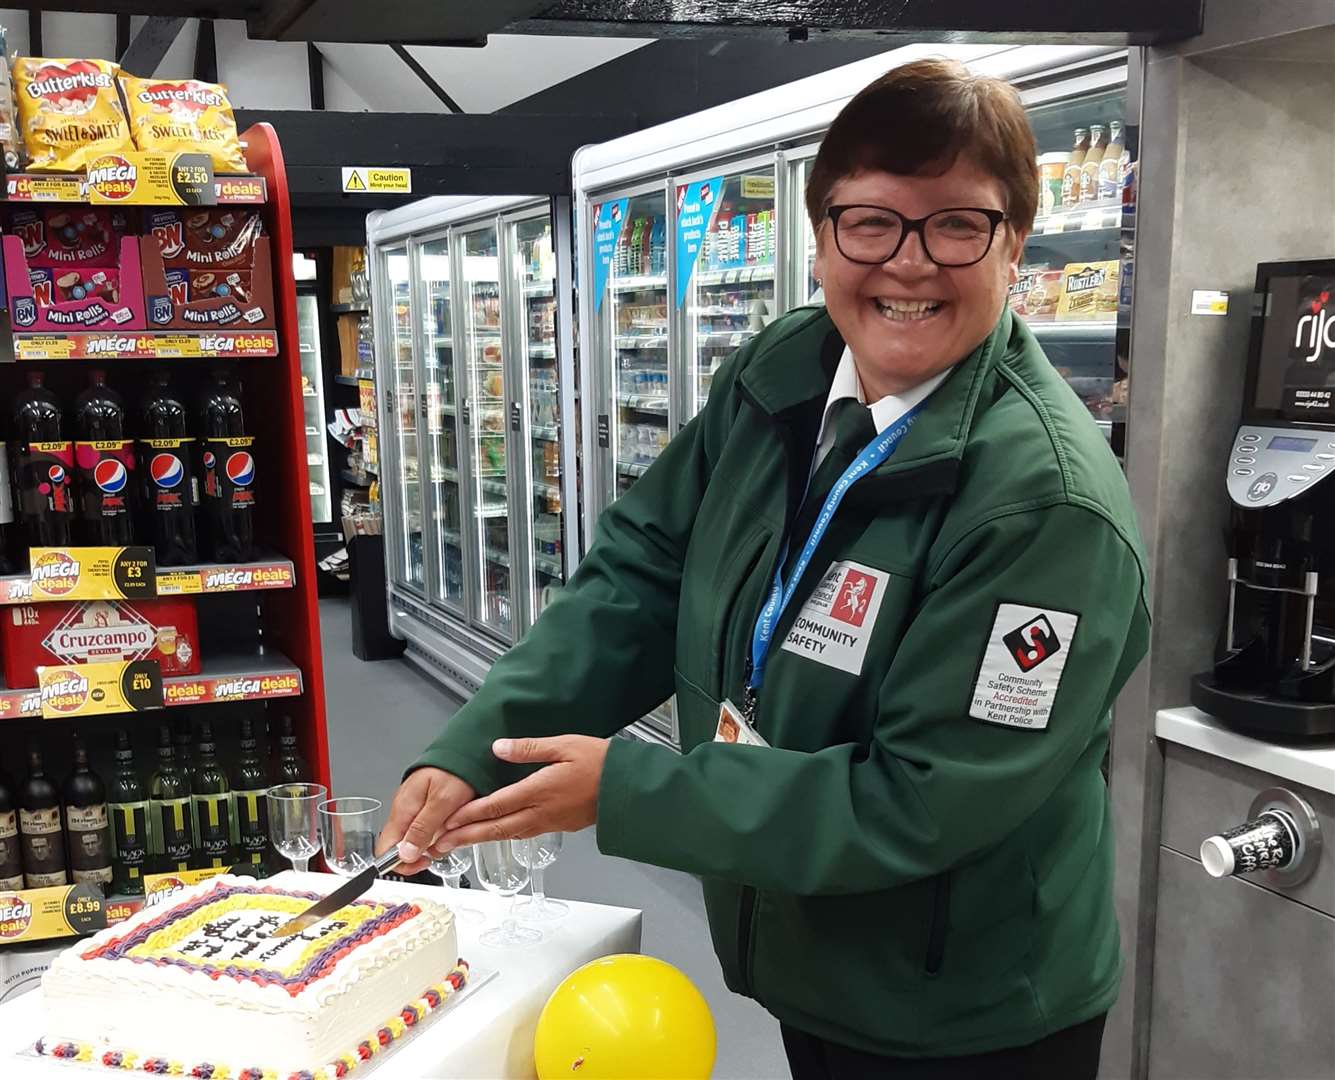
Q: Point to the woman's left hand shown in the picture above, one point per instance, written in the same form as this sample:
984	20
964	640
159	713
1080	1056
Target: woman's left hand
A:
562	797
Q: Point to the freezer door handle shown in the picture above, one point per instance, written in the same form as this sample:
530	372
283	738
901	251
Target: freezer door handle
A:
468	412
516	417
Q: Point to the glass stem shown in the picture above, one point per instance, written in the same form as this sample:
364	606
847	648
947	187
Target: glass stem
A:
452	880
539	893
300	864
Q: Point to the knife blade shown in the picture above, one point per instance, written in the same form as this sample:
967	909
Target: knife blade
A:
341	897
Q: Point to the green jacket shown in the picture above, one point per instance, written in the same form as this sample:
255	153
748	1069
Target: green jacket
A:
921	862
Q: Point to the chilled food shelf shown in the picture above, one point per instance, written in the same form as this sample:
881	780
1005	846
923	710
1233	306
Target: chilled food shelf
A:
715	311
550	491
347	380
350	477
269	572
539	288
548	564
73	187
497	556
737	276
632	468
639	283
1103	331
225	677
349	309
145	344
1093	218
651	403
729	339
546	432
540	350
642	341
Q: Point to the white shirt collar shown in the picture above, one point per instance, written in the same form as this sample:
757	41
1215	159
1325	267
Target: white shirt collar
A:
883	412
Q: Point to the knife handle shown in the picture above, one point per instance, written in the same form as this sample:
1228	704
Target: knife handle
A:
387	861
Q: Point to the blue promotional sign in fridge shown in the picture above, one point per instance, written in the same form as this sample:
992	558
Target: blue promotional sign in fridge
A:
608	218
696	204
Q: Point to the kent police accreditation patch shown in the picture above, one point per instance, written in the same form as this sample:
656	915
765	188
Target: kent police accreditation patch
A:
1022	666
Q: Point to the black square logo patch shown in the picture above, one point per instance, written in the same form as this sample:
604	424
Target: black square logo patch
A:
1033	642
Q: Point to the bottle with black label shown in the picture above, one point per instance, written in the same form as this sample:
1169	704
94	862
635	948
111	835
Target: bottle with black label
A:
252	810
172	840
42	839
87	826
182	736
11	861
289	767
211	797
129	821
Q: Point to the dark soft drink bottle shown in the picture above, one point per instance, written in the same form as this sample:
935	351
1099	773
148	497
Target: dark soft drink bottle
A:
166	466
43	464
227	471
105	461
10	543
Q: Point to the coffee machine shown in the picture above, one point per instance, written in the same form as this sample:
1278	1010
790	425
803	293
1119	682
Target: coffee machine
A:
1274	670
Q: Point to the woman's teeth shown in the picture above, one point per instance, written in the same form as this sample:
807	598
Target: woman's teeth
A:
906	310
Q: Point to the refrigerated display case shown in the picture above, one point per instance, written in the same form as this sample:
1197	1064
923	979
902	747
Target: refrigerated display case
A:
313	407
472	306
740	250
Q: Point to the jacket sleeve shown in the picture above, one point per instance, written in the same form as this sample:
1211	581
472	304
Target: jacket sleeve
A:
601	654
934	786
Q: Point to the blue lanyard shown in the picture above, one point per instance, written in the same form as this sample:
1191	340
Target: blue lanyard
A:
780	595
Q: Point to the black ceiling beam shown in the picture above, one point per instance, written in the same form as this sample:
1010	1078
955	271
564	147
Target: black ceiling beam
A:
425	77
150	45
449	153
35	46
122	35
206	52
315	74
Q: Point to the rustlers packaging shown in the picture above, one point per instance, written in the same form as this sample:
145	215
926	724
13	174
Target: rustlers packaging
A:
91	631
1089	291
69	112
184	115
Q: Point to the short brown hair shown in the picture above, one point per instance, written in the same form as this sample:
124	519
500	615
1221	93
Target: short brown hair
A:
916	120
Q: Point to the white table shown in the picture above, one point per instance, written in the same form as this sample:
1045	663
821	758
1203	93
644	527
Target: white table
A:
488	1035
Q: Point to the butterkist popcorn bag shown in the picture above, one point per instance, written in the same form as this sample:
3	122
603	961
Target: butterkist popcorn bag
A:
69	112
184	115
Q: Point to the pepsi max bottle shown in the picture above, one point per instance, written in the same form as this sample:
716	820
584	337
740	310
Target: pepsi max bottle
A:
43	463
104	458
227	471
166	468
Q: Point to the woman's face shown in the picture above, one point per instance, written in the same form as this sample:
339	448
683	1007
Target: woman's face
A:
898	340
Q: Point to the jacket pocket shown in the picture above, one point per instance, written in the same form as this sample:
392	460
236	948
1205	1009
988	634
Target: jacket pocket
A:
937	924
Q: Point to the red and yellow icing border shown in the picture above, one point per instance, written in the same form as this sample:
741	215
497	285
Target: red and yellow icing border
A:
385	1036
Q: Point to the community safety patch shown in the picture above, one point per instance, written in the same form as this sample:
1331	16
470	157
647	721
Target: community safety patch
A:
1022	666
836	622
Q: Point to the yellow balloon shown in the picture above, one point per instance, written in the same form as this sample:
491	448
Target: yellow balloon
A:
625	1017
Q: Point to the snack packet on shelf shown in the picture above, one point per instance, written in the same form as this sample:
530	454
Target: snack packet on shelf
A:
1089	291
85	236
69	112
60	285
184	115
218	238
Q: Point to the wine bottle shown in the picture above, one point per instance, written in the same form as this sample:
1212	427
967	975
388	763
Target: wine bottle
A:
42	840
11	861
86	823
289	766
181	745
129	820
211	798
172	836
252	809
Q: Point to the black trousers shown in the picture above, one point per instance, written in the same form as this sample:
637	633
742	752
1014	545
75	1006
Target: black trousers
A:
1071	1054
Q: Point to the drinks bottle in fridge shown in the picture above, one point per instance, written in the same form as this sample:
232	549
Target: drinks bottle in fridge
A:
166	465
43	464
228	473
104	460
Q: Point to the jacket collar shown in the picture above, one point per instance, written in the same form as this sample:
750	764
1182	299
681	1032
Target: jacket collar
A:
799	366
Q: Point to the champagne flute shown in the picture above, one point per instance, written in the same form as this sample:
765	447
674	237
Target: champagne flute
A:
501	870
292	821
539	853
348	831
450	868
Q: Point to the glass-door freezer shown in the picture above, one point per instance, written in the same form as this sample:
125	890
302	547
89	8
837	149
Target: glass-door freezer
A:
631	342
408	565
313	407
726	262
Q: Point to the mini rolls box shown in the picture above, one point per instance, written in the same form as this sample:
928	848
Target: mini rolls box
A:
38	635
45	299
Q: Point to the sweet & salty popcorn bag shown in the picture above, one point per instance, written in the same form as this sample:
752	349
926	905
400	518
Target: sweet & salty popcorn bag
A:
69	112
184	115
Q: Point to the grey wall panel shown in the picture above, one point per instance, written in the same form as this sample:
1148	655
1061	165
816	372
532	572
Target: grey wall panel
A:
1204	795
1244	981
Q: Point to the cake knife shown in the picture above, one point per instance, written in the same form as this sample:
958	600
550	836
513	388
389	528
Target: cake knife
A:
341	897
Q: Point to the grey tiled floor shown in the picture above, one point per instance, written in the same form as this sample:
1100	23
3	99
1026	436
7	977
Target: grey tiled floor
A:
382	714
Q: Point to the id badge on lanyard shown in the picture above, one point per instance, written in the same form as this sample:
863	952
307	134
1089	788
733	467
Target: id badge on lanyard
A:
781	593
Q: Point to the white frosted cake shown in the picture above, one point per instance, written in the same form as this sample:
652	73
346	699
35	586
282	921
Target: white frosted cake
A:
197	987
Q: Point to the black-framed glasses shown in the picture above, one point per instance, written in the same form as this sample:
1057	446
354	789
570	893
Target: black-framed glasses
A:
955	236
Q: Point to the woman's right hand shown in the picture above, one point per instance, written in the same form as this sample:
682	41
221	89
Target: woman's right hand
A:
422	805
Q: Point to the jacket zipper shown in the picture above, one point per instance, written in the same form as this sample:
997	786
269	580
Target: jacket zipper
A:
936	932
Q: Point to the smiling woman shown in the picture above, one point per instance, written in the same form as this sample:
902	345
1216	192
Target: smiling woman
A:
892	678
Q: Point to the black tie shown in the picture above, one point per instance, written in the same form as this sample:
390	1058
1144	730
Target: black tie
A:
853	429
